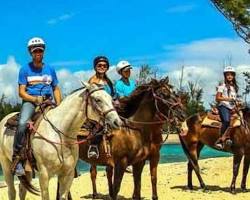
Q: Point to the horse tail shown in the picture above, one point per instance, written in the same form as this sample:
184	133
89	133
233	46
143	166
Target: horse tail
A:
189	157
185	148
26	183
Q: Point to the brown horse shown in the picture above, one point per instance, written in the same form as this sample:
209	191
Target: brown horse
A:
198	135
146	110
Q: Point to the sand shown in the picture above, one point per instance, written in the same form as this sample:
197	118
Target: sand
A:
216	172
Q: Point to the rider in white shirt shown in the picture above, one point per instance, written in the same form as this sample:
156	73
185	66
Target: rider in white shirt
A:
226	96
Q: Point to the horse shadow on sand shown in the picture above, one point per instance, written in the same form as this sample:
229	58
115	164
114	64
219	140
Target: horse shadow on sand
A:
209	188
105	197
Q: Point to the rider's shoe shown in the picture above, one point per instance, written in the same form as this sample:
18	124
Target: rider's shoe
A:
19	171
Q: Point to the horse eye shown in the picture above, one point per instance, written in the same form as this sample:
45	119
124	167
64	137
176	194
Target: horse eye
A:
98	100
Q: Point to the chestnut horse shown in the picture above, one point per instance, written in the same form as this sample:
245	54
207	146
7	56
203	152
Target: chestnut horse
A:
146	110
198	135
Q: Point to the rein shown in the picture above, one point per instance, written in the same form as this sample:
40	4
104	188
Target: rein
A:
103	114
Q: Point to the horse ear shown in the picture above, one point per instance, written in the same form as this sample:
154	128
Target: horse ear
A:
85	84
165	80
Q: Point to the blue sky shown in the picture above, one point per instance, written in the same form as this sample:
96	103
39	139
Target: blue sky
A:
76	31
164	34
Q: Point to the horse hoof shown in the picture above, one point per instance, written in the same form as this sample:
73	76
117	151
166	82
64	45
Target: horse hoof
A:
243	188
203	186
94	196
190	187
155	198
233	191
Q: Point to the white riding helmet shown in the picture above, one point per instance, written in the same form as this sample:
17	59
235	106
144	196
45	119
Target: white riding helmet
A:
36	43
229	69
122	65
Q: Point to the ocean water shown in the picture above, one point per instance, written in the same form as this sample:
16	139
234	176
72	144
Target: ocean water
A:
169	153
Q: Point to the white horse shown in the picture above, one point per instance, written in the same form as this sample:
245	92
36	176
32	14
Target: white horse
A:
54	143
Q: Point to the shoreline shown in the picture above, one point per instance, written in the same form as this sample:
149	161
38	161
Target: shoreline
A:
172	139
172	180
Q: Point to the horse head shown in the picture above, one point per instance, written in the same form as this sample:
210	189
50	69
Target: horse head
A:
169	103
99	106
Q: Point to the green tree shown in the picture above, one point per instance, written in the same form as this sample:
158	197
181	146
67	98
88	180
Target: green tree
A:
194	95
247	85
146	73
6	108
238	13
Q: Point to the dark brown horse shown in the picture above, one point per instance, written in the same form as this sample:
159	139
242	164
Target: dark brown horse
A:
147	109
198	135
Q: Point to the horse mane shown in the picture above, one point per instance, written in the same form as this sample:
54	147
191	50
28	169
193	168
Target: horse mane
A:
76	90
191	120
129	105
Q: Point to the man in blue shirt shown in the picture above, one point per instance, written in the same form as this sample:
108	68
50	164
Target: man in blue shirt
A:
37	82
124	86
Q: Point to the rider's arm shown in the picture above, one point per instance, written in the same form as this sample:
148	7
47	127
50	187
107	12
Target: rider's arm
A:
57	95
56	90
24	95
219	97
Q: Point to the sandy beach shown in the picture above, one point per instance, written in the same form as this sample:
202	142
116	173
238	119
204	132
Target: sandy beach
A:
216	172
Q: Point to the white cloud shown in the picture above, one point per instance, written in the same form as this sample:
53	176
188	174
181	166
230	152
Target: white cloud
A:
181	8
60	18
8	79
204	61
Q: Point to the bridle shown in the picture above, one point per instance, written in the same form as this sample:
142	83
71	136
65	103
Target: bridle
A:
103	114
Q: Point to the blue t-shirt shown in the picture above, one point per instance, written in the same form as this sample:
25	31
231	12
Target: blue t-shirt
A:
123	89
39	82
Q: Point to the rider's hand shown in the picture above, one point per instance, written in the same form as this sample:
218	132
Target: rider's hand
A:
230	99
38	100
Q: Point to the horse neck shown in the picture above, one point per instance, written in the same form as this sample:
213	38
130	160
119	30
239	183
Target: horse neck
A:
69	116
145	113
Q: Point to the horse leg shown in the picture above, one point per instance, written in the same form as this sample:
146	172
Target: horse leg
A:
57	193
109	171
194	151
118	175
44	182
236	164
153	171
245	172
22	189
9	178
93	173
65	181
137	171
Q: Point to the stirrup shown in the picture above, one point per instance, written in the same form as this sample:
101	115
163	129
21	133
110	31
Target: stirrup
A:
93	149
14	163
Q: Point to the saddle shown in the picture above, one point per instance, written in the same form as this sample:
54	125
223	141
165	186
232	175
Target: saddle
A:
26	154
93	131
213	120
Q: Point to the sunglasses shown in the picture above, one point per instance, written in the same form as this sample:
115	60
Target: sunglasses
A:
102	66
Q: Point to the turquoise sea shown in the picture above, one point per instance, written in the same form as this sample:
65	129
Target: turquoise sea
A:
169	153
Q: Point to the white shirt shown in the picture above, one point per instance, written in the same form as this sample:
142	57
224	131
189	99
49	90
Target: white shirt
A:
225	93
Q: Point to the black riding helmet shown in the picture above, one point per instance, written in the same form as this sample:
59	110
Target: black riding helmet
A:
101	59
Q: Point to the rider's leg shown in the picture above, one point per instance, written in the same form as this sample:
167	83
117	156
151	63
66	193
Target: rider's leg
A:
224	113
26	113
